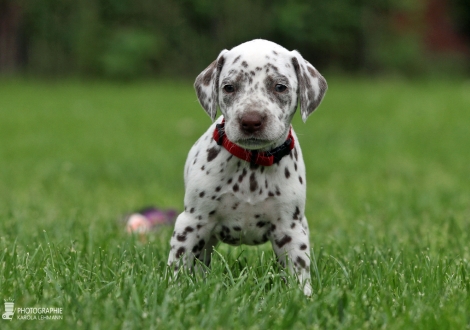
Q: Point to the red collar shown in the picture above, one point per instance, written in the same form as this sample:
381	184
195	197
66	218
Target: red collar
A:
265	158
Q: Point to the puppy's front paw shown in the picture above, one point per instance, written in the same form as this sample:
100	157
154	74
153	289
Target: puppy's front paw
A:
308	289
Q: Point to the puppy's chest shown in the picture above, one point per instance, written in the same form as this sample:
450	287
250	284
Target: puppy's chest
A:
248	204
243	202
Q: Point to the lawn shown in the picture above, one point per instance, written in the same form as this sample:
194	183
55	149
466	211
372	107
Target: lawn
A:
388	203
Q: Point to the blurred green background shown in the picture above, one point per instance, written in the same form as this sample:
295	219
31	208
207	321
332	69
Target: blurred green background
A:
128	39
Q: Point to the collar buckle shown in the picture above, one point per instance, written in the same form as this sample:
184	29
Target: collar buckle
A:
220	129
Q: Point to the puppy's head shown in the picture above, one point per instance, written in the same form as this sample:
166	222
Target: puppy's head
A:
257	86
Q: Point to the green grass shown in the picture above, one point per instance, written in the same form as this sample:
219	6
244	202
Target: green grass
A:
388	204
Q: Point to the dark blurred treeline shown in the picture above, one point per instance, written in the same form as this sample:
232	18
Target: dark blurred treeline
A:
138	38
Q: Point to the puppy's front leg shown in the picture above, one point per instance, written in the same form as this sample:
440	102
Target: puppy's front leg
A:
191	239
290	241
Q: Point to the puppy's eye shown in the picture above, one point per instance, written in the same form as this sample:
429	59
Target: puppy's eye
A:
280	88
229	88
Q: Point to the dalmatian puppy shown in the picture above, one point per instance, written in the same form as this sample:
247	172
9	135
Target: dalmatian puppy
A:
245	177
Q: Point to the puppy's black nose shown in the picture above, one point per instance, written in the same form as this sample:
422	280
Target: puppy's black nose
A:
251	122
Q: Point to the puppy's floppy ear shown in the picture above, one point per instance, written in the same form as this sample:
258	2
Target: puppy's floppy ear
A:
312	85
207	85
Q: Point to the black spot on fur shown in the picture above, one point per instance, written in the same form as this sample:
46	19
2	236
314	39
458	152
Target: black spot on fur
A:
260	224
234	207
191	210
237	228
198	247
241	176
244	64
283	241
218	188
301	180
253	182
297	213
181	238
212	153
235	187
226	238
236	59
301	262
287	173
189	229
292	225
180	251
212	212
201	194
303	246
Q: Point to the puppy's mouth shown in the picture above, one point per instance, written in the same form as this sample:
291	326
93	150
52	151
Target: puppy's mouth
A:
254	143
260	144
259	141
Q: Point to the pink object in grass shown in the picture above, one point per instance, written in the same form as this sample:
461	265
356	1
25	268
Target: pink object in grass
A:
149	218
